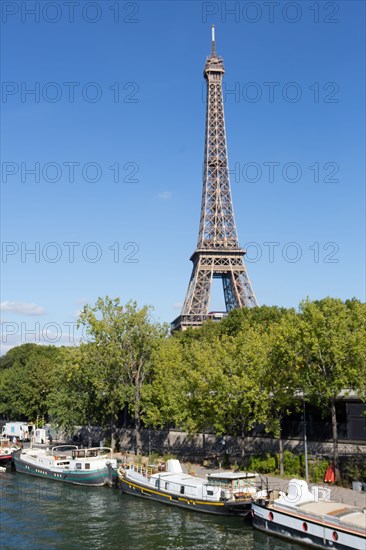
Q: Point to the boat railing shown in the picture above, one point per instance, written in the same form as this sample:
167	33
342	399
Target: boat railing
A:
91	452
58	447
145	471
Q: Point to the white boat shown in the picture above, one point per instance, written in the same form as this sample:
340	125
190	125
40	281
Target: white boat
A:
224	493
310	517
7	450
93	466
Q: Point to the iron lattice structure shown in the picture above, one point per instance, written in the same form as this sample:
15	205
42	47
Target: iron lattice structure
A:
218	253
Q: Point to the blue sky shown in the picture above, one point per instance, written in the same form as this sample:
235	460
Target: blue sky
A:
125	89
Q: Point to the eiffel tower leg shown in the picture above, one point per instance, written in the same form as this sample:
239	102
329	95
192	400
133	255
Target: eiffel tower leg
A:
244	289
198	295
238	291
230	292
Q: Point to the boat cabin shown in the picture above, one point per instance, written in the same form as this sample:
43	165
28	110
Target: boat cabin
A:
235	484
92	452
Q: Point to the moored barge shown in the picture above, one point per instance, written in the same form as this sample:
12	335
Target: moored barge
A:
223	493
311	518
93	466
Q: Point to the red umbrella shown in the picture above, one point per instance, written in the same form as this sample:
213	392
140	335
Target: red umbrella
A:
330	474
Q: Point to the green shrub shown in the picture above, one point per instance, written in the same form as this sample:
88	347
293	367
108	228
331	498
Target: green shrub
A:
270	464
263	464
317	469
291	464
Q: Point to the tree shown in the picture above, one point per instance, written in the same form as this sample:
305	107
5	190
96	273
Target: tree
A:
27	378
121	342
188	385
164	396
73	401
240	320
356	312
201	384
281	373
333	353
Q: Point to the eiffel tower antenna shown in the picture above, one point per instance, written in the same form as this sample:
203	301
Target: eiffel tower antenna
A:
213	45
218	253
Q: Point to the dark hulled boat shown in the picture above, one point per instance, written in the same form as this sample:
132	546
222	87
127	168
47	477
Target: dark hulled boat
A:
224	493
93	466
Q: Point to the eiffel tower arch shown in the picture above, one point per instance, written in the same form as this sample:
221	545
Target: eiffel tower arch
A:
218	253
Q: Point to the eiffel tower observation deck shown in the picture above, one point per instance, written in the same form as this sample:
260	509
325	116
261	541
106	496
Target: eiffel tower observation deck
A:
218	253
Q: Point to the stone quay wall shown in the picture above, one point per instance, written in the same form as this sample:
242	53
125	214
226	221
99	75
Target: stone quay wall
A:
198	447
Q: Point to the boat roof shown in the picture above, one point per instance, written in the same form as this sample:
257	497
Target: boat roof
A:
35	452
344	513
182	479
231	475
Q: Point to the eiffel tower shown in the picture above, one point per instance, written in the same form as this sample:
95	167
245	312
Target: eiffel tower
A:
218	253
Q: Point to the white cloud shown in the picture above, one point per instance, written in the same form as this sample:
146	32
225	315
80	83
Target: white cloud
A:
81	301
76	313
177	305
24	308
165	195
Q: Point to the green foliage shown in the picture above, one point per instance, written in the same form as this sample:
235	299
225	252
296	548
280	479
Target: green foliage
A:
263	464
317	469
332	341
122	339
251	368
74	400
294	466
26	380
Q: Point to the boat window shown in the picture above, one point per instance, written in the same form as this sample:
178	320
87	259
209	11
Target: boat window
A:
182	489
78	466
92	452
210	493
166	485
87	466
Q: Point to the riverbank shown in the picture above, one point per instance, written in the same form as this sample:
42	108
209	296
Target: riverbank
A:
338	494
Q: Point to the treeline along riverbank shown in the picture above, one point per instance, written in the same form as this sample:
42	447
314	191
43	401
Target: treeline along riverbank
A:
247	373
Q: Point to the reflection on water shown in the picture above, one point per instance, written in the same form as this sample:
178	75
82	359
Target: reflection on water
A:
44	515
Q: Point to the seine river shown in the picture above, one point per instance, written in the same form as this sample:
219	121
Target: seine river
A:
44	515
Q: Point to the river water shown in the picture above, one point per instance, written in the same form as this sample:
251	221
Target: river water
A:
38	514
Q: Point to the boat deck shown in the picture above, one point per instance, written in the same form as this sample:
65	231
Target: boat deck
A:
344	513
